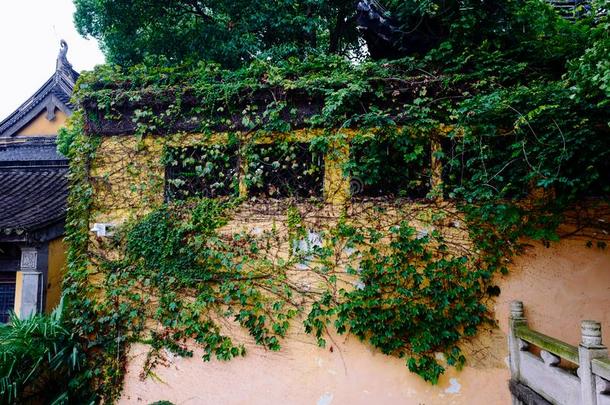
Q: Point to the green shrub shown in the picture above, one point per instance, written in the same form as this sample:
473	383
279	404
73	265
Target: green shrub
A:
41	361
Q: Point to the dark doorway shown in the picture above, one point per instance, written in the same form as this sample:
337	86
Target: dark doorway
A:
10	255
7	295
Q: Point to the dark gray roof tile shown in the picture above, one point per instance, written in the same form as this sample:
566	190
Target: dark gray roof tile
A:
37	149
32	198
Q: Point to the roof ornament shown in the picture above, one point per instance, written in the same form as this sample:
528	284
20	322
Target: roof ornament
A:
62	60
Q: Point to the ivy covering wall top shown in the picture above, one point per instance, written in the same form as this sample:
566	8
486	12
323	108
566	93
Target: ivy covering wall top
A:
514	129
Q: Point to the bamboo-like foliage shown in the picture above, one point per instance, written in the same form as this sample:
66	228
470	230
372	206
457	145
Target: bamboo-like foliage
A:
39	360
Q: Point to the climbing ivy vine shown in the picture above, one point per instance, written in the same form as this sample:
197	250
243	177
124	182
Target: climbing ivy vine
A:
522	138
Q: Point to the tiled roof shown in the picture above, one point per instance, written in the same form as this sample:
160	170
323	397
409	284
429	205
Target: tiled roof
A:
31	198
57	88
55	93
29	149
33	175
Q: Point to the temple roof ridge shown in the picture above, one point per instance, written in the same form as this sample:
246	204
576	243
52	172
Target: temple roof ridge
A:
54	93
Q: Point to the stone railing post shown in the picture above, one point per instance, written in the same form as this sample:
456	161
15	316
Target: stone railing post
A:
590	348
31	283
515	345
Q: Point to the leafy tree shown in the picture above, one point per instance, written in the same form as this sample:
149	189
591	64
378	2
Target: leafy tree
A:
590	73
235	32
227	31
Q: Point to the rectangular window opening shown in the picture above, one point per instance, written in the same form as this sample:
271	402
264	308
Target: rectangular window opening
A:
468	164
390	168
7	295
289	169
201	171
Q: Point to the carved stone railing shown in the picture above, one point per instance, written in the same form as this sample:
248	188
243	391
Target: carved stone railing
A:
546	370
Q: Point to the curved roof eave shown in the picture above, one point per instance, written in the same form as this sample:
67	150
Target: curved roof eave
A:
54	93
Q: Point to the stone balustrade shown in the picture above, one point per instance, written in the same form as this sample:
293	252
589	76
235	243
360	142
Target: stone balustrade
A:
545	370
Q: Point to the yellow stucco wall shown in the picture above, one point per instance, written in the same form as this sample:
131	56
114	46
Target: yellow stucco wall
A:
559	285
18	287
57	263
41	126
129	176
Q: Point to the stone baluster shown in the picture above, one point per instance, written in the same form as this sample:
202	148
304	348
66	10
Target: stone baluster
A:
550	359
515	345
602	386
590	348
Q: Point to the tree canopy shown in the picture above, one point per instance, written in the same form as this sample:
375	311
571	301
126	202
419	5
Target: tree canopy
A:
233	32
230	32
